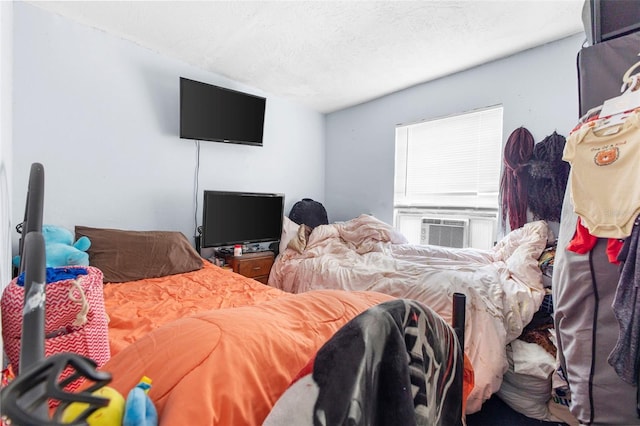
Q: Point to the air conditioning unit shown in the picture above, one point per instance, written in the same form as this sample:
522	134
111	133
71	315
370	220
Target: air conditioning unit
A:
444	232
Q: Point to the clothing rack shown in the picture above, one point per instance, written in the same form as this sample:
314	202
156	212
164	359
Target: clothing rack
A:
585	285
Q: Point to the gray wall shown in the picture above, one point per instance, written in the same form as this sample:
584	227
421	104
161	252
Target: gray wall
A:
101	114
6	61
538	89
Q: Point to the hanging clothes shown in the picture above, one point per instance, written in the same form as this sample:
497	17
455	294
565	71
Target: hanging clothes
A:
548	174
604	178
626	306
513	184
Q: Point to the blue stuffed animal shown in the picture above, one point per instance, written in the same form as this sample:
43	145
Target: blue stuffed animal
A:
139	409
60	249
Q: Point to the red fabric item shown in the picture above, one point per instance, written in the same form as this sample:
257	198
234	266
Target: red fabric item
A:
583	242
614	246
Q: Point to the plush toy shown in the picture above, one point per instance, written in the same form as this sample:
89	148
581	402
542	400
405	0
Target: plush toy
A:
60	249
139	409
136	410
111	415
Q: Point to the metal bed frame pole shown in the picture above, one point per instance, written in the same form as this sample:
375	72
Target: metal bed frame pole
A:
459	316
33	263
458	322
34	208
32	344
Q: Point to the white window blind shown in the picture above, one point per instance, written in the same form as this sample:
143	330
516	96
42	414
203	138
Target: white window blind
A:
450	162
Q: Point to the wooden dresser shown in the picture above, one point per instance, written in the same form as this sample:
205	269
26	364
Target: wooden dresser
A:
253	265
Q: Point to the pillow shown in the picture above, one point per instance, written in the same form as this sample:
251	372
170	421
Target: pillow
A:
289	230
299	242
133	255
526	385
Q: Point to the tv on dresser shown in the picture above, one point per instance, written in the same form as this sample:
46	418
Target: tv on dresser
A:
230	217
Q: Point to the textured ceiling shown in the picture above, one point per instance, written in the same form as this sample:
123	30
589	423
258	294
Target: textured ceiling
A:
329	55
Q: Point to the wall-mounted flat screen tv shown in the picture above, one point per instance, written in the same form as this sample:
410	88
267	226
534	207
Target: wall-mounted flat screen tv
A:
213	113
241	218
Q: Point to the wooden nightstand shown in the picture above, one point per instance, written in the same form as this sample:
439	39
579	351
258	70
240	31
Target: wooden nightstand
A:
253	265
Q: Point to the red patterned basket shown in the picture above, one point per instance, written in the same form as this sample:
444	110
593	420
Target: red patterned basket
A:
75	319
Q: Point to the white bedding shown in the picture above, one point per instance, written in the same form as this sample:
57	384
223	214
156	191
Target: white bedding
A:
503	285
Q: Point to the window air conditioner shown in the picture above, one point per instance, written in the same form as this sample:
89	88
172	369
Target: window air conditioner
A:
444	232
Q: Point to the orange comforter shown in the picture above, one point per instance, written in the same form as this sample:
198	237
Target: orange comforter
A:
230	366
137	307
216	366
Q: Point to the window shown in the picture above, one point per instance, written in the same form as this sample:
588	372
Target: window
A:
449	169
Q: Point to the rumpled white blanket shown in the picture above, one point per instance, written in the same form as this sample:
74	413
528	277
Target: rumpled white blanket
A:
503	285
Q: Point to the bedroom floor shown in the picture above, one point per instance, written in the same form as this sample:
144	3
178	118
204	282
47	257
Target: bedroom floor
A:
496	413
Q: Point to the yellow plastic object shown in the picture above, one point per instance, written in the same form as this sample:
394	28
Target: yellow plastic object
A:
111	415
147	381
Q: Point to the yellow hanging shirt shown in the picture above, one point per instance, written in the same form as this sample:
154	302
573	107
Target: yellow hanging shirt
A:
605	176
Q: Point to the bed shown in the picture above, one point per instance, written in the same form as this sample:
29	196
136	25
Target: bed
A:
219	348
503	285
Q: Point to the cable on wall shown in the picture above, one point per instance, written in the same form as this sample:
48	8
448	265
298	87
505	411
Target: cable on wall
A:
196	232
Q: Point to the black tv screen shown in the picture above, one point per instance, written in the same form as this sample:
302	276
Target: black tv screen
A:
241	218
213	113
